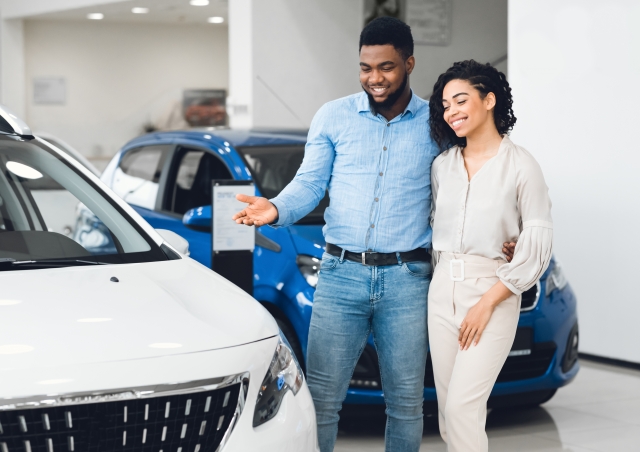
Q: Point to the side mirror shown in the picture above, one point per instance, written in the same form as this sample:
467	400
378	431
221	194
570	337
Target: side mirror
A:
176	241
198	219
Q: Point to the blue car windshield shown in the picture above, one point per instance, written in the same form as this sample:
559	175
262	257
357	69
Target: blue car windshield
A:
273	167
50	211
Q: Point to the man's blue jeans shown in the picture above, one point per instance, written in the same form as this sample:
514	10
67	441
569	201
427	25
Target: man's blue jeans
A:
351	301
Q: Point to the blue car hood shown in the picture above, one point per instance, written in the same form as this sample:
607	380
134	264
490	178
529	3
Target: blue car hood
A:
308	239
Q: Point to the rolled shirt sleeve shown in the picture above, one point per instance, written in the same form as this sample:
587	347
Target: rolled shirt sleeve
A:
535	242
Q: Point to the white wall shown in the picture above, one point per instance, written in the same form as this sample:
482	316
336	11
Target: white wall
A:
119	75
574	66
478	31
304	54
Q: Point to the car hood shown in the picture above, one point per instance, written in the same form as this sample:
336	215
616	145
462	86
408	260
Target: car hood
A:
77	315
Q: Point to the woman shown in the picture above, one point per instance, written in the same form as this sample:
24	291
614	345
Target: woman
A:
486	191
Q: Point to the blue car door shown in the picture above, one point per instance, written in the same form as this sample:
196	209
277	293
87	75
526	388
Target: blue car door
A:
186	184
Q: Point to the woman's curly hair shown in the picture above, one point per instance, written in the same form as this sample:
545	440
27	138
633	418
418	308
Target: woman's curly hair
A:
486	79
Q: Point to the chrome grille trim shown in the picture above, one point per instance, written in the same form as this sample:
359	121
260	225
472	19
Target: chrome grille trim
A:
138	392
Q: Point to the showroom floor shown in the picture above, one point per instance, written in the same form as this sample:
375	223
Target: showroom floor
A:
599	411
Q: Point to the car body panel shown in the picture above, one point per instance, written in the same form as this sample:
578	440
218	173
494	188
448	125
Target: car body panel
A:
177	303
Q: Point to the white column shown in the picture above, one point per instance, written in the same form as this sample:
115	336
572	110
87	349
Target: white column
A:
287	58
241	76
12	70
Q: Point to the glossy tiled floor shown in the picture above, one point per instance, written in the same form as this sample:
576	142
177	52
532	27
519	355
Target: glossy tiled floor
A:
598	411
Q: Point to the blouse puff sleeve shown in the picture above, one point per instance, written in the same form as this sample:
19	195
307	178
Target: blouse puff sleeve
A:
533	249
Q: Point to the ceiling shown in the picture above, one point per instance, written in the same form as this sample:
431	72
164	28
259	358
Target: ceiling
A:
160	11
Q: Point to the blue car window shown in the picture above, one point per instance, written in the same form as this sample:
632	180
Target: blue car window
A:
138	174
191	186
273	167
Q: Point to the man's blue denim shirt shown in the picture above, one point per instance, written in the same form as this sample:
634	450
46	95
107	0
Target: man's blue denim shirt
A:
378	173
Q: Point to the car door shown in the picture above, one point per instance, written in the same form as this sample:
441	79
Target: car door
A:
188	185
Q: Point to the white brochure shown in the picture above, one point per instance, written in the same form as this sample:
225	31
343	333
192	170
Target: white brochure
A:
227	234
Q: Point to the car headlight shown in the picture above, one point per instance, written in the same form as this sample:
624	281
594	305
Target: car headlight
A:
309	266
556	279
284	375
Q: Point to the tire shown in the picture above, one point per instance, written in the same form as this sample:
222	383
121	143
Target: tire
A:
524	400
292	337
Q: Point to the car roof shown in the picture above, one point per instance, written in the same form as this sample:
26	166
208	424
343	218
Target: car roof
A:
231	137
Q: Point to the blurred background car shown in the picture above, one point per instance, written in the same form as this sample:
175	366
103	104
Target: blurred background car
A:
166	177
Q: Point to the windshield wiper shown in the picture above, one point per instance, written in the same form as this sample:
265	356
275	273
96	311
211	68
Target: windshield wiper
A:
8	263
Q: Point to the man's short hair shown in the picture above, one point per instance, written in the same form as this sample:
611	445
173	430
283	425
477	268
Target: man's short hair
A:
388	30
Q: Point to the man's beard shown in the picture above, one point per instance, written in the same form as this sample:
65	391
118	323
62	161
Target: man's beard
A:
391	98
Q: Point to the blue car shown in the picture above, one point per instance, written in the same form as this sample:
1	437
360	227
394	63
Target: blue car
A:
166	177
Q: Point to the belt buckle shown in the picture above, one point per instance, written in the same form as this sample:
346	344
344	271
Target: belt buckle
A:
451	272
364	257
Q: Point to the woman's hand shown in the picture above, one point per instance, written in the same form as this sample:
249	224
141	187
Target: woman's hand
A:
474	324
479	315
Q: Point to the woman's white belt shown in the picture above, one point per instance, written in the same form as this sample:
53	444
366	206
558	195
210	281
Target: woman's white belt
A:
467	266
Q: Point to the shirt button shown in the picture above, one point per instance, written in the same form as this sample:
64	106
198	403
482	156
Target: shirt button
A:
384	148
373	226
388	124
381	173
377	199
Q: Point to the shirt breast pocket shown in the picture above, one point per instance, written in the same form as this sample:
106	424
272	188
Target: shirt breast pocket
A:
410	159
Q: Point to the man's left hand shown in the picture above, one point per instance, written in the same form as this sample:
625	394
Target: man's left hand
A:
508	249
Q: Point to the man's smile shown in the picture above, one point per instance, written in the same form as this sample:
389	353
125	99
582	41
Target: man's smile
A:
378	89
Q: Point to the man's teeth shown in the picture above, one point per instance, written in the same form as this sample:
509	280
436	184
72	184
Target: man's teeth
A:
379	90
459	121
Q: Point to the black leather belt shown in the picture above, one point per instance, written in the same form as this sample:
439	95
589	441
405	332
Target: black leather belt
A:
379	259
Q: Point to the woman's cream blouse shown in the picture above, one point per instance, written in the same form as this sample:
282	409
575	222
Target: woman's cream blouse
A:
506	200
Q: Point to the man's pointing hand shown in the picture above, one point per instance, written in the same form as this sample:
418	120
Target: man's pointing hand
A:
259	211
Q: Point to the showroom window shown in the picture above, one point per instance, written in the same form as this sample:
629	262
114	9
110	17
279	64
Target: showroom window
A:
192	185
136	179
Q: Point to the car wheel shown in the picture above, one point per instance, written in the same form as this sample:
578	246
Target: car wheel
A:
524	400
292	337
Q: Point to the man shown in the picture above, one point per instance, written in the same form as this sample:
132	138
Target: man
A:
374	153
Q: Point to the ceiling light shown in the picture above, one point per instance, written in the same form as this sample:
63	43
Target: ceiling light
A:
15	348
95	16
9	302
24	171
199	2
139	10
215	20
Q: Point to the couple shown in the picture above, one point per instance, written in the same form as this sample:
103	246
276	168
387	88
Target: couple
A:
405	177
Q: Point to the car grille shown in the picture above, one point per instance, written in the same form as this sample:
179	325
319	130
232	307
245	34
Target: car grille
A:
516	367
192	422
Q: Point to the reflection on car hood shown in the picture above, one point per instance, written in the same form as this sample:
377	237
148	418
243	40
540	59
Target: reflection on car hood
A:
76	315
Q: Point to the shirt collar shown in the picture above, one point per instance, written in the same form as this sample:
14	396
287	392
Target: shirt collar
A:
364	106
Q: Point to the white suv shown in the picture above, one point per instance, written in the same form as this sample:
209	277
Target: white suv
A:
133	347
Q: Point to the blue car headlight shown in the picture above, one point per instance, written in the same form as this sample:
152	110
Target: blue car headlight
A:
284	375
556	279
309	266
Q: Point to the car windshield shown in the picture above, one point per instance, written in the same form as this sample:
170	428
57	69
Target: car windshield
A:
50	212
273	167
